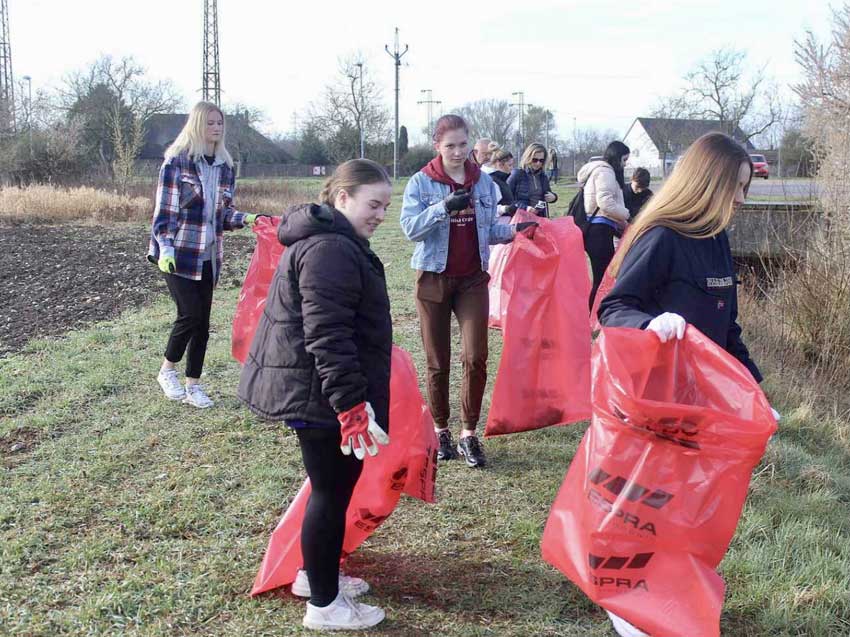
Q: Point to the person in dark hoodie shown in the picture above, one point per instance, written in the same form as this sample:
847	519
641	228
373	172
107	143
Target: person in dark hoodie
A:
675	265
320	362
637	193
503	163
449	210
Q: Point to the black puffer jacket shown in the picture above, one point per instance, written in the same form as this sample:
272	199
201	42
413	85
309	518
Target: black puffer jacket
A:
324	342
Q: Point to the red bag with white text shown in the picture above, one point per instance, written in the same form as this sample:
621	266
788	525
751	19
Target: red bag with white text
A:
654	493
255	288
544	372
408	464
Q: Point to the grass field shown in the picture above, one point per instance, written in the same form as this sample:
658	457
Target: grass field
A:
124	514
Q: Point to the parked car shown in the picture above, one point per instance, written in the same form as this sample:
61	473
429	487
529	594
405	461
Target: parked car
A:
760	168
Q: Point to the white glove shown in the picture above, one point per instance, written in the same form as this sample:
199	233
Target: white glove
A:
776	415
667	326
373	433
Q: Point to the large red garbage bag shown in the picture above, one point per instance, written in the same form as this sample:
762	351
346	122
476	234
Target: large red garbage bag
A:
544	373
255	288
653	496
408	464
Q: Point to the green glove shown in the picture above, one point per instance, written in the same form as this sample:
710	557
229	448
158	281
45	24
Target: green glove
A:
167	265
250	220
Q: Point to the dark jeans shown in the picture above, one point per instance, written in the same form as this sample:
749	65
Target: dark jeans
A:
599	245
332	479
191	329
437	296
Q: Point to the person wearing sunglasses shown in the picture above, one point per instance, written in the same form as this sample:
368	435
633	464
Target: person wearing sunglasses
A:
530	183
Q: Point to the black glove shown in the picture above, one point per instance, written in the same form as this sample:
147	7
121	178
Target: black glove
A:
457	201
528	228
510	210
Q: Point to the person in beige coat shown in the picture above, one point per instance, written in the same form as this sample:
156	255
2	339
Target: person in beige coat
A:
607	214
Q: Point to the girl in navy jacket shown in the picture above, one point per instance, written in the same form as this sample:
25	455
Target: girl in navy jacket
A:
675	266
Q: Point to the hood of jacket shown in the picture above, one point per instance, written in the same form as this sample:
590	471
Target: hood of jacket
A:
589	167
307	220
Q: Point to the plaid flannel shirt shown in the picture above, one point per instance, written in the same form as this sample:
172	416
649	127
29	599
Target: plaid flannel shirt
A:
178	227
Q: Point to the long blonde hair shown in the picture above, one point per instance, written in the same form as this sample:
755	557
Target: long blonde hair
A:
192	139
525	160
698	199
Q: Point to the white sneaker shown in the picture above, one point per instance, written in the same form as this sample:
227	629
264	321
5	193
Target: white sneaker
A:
624	628
196	397
167	379
342	614
351	586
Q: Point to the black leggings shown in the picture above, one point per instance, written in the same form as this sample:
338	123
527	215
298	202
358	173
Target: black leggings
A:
332	478
599	245
192	327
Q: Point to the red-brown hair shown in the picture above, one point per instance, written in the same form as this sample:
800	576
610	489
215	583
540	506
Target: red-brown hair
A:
447	123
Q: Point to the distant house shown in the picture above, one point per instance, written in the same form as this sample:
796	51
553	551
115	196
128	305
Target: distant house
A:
656	143
247	145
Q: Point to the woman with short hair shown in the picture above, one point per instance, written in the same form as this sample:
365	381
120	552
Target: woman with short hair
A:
502	161
530	183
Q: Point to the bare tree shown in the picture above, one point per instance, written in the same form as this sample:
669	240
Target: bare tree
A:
489	118
719	89
538	125
351	103
127	142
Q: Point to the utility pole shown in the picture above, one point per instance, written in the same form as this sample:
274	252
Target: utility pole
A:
28	80
360	111
575	146
520	104
211	85
396	56
7	80
430	105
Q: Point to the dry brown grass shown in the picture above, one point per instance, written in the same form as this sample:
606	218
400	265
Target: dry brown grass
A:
54	204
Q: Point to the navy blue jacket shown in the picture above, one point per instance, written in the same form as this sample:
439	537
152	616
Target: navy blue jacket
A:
665	271
520	186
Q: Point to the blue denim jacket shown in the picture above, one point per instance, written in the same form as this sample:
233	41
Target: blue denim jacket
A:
424	219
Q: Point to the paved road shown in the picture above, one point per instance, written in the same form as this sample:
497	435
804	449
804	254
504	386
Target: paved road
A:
789	188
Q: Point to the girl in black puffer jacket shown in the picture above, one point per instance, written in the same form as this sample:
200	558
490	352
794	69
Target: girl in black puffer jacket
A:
320	362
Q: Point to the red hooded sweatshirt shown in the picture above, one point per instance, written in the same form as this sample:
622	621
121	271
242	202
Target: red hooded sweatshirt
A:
464	257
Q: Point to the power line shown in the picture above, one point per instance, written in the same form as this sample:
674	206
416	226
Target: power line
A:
396	55
212	77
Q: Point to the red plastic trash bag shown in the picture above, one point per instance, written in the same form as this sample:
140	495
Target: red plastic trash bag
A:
544	372
255	288
408	464
653	496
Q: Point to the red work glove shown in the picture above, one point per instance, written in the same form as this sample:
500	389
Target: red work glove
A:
358	426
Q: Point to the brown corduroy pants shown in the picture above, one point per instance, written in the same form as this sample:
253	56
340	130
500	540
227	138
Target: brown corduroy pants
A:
437	297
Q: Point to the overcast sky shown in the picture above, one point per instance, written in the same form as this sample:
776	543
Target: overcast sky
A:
602	62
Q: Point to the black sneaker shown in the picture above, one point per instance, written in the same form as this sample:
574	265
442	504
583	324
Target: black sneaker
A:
471	450
446	450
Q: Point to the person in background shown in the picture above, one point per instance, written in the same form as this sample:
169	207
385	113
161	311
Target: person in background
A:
530	184
449	211
603	184
554	166
194	206
675	266
637	193
481	153
320	362
503	163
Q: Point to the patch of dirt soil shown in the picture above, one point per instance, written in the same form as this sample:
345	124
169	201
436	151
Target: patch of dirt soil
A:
54	278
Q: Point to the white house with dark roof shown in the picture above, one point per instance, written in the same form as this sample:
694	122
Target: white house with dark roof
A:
656	141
